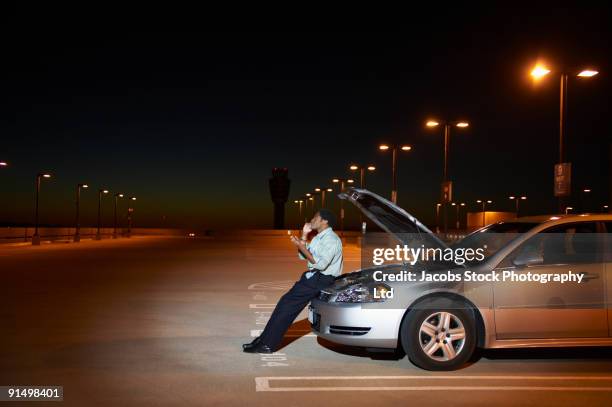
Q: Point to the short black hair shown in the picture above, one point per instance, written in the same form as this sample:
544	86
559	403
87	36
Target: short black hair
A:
329	216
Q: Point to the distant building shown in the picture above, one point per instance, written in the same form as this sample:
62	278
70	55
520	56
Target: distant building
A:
279	192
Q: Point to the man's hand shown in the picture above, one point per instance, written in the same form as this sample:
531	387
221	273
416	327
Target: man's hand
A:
306	230
301	245
297	242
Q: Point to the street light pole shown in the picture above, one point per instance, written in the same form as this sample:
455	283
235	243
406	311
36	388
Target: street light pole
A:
115	215
100	192
321	191
446	146
36	236
483	202
299	202
562	115
77	226
307	198
457	206
341	182
385	147
516	202
446	184
562	180
362	169
129	217
585	200
394	176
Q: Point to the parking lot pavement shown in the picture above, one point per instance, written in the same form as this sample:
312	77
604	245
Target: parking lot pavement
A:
160	321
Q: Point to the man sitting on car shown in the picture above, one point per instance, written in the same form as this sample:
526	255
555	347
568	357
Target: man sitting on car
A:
324	256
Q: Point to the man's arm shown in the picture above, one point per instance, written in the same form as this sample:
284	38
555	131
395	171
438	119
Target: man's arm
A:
303	249
326	252
305	231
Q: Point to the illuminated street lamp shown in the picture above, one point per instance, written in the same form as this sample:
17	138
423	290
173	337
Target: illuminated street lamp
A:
117	196
447	189
129	217
313	197
585	199
362	169
447	129
484	203
299	202
567	209
36	236
3	164
516	200
393	148
100	192
77	226
341	182
605	208
457	206
307	199
562	169
322	191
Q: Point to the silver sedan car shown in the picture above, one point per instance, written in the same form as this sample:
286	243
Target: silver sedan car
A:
439	322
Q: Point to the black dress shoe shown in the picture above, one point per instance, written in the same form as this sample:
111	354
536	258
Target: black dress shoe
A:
251	345
259	348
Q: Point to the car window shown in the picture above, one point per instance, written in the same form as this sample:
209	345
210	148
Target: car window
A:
572	243
494	237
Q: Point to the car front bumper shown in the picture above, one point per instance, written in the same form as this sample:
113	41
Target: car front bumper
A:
355	325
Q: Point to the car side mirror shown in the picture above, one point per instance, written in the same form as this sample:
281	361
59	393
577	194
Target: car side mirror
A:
528	258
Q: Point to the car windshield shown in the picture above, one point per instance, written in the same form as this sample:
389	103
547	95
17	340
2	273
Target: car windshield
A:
493	237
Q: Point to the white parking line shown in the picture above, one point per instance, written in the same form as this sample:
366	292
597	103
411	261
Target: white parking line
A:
272	285
262	384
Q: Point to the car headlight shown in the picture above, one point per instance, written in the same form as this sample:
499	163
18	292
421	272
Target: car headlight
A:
363	293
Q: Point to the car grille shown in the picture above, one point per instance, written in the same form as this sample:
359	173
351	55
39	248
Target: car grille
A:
348	330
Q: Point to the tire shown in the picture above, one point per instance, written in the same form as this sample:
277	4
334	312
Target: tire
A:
439	334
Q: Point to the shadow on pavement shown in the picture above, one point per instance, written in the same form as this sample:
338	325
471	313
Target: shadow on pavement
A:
372	353
297	330
301	328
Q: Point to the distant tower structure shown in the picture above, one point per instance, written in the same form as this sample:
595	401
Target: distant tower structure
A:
279	192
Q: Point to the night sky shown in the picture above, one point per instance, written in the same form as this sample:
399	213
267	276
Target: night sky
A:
193	122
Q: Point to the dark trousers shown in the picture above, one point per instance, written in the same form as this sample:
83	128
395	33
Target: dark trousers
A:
290	305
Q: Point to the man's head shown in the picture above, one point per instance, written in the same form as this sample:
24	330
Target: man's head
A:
323	219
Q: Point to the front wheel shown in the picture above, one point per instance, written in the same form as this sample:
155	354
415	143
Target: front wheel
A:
438	336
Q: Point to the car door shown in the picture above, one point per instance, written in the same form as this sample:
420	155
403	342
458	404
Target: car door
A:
529	310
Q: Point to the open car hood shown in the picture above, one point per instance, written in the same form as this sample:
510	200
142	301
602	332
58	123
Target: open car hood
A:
392	219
